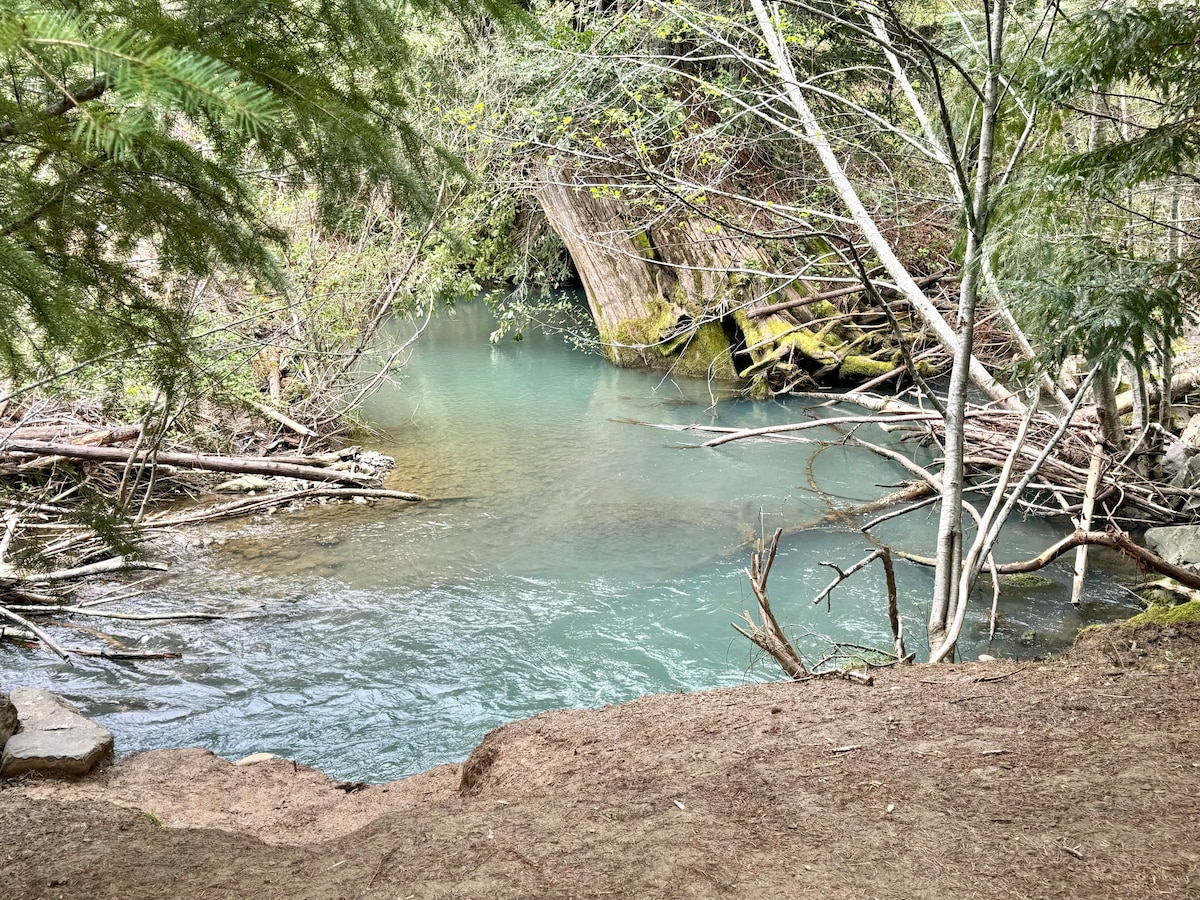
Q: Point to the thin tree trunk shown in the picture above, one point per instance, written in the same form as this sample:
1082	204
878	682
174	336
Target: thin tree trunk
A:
1106	411
946	591
861	217
938	151
1085	522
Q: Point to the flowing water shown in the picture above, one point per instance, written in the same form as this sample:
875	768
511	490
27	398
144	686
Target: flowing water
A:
574	560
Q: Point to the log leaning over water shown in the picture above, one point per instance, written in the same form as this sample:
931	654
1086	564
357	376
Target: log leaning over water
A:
239	465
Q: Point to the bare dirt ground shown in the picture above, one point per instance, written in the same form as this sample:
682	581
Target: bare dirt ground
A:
1078	777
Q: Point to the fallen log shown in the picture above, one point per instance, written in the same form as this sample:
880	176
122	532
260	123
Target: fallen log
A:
1118	541
1182	384
762	311
1114	540
239	465
115	564
123	654
29	626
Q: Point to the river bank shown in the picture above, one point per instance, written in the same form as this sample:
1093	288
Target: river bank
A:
1078	776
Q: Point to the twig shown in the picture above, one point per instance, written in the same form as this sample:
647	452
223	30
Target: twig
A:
124	654
45	638
993	678
122	593
843	575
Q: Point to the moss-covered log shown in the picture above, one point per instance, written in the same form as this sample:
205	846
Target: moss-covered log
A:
688	295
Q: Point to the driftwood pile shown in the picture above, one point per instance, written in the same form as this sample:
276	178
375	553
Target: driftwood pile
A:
77	497
1046	464
1073	464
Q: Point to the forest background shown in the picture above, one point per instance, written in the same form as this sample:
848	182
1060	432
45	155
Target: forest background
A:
212	207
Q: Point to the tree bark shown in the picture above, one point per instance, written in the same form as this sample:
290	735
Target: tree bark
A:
1108	411
205	462
947	595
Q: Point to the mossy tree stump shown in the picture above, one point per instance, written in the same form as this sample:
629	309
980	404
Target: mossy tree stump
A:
681	294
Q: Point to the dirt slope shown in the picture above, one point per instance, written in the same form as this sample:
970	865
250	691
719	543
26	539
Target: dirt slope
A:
1073	778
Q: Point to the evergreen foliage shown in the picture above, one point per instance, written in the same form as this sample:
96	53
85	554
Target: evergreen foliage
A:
1148	54
135	135
1094	243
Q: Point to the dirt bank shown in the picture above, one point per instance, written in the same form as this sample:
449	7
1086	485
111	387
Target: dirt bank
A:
1078	777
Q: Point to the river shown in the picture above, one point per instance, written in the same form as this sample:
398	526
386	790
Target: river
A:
572	560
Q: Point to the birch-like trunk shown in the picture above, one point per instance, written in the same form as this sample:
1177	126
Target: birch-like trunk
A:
947	596
863	221
1107	412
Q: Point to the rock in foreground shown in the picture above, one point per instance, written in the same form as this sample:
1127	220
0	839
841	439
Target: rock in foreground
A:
54	740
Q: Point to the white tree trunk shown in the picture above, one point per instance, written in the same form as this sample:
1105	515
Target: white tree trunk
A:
947	595
862	219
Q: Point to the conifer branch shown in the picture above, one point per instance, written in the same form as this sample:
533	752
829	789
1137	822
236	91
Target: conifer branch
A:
60	108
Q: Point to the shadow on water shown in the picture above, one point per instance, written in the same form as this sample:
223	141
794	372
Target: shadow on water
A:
584	561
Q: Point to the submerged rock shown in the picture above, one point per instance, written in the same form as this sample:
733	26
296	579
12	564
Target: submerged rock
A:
54	739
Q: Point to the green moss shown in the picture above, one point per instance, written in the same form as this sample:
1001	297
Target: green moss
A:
1027	581
813	346
925	368
645	330
760	334
705	352
1185	613
760	388
863	368
698	352
645	249
823	309
1157	596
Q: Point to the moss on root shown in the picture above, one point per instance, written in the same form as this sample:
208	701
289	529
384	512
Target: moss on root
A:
863	368
1184	613
699	352
704	353
770	339
646	330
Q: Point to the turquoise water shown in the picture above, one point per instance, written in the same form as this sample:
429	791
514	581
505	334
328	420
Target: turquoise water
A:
574	560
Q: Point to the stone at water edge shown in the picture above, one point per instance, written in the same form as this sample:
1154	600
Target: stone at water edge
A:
1191	433
244	485
8	719
1177	544
55	739
255	758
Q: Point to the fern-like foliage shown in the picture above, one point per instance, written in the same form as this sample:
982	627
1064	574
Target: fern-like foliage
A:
134	135
1150	53
1087	296
1093	239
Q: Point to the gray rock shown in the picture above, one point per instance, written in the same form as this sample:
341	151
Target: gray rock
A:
244	485
1177	544
1175	456
54	740
1188	476
8	719
1191	433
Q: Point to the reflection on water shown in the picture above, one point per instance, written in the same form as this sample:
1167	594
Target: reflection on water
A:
572	560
